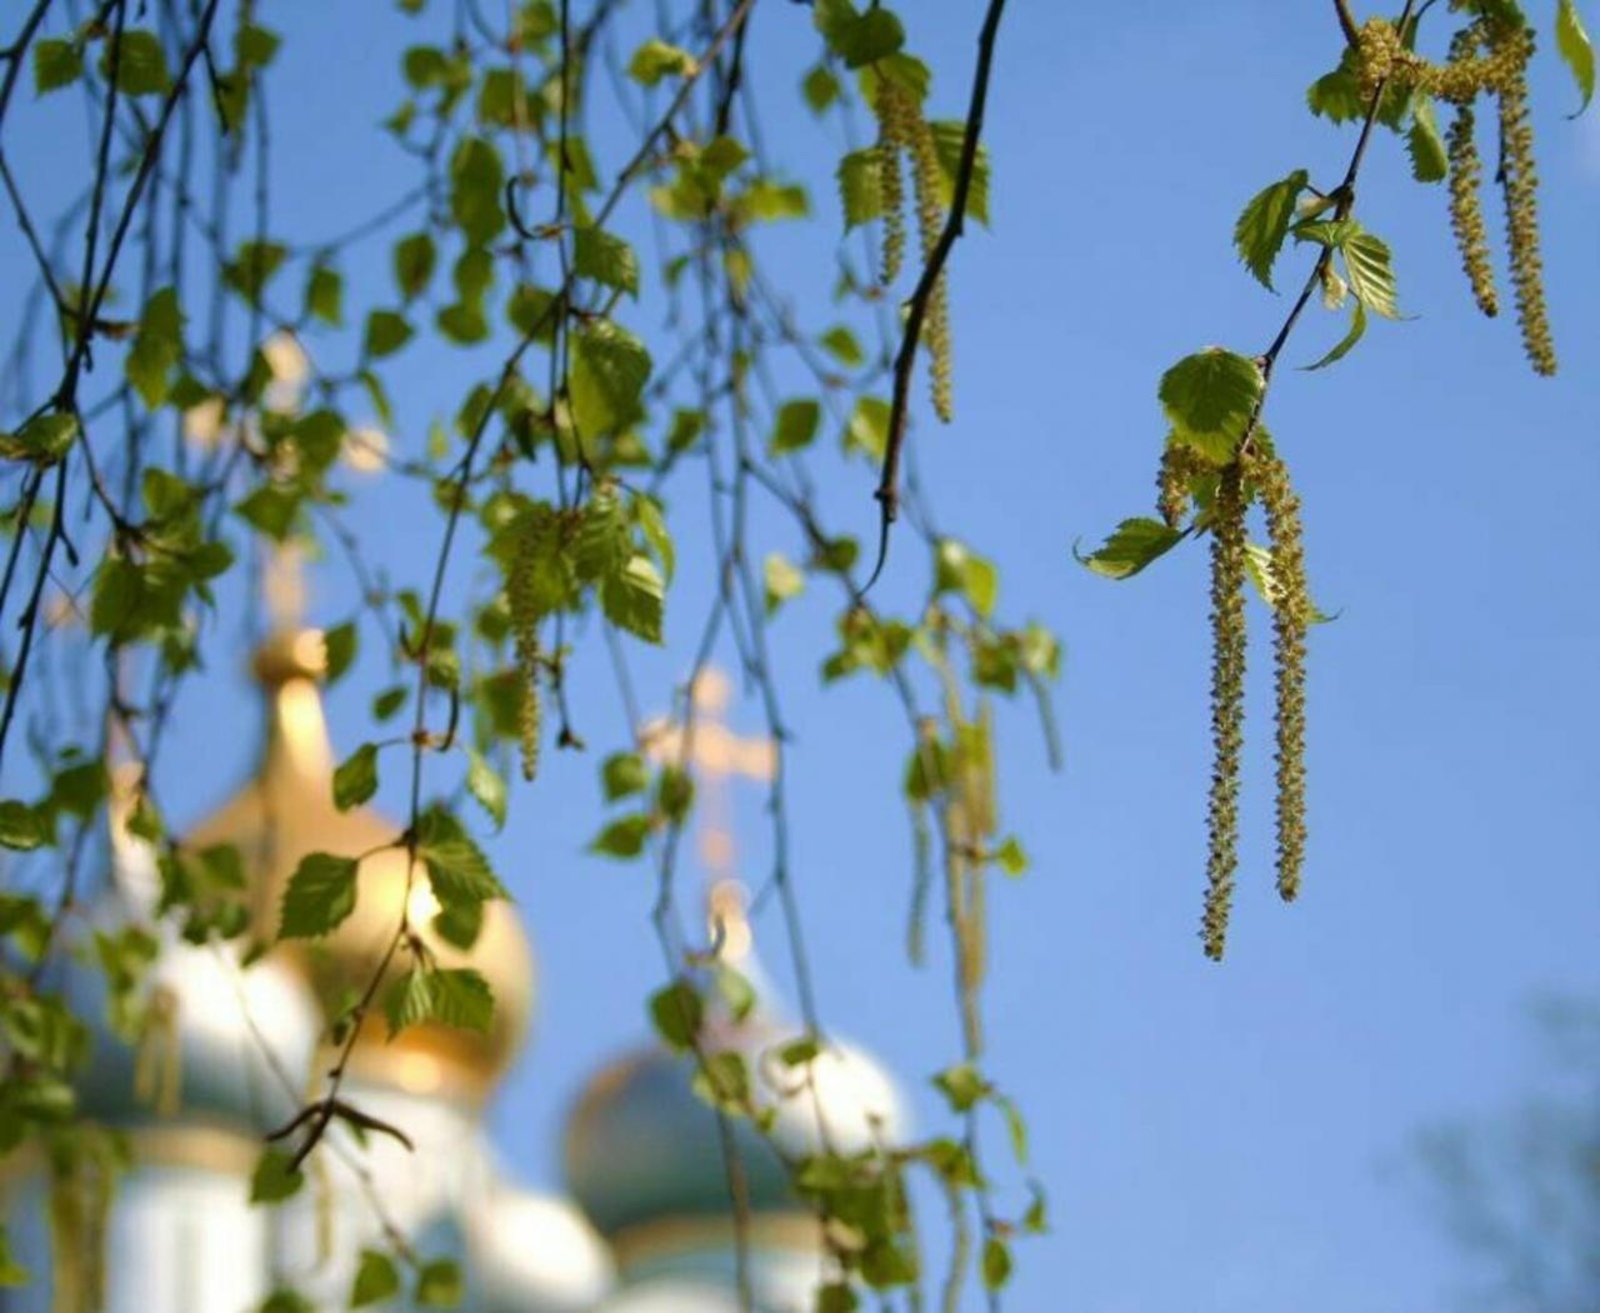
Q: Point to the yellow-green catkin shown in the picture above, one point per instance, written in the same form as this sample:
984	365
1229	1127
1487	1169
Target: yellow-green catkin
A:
1519	183
1466	208
1227	705
927	177
525	628
894	117
1291	615
1180	465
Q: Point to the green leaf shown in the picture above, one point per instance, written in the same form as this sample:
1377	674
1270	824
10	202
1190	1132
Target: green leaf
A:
840	343
458	871
339	647
1358	327
477	178
389	701
325	295
949	137
253	267
873	35
270	509
12	1273
21	828
439	1284
56	64
678	1013
654	525
610	368
624	773
255	45
996	1263
488	786
962	1086
836	1297
273	1179
655	59
860	186
321	894
868	429
1012	858
1210	397
1337	95
387	332
414	260
783	580
459	997
820	88
723	1081
1429	163
1259	235
1132	547
606	259
796	426
157	348
356	779
1573	43
634	599
1366	258
286	1301
141	64
623	837
44	439
376	1279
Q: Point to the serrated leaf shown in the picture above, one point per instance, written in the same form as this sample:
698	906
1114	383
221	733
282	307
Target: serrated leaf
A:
949	137
273	1179
1210	398
458	871
606	259
1367	260
1262	228
488	786
1133	546
376	1279
634	599
56	64
653	523
610	368
321	894
356	778
867	37
1358	328
459	997
1429	163
782	579
1573	43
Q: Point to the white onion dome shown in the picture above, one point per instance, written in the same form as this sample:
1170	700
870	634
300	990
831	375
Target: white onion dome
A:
535	1254
285	812
208	1040
644	1153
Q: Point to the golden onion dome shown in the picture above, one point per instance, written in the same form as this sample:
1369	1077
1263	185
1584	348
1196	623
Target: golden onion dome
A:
285	812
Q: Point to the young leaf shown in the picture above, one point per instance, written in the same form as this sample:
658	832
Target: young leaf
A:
440	1284
609	370
21	828
459	998
634	597
140	61
488	786
1358	328
376	1279
273	1179
387	332
1429	162
56	64
783	580
678	1013
606	259
1259	235
414	260
623	837
356	779
1366	257
624	773
796	426
477	178
996	1263
321	894
1573	43
860	191
1210	397
655	59
1132	547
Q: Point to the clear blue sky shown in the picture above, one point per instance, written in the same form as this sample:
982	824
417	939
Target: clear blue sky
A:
1214	1140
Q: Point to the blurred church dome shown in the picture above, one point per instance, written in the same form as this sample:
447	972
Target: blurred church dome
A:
285	812
534	1252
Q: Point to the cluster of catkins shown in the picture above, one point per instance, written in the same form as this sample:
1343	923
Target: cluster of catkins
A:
1255	475
902	130
1487	57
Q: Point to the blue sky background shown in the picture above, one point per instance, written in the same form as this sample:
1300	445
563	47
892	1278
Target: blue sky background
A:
1214	1140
